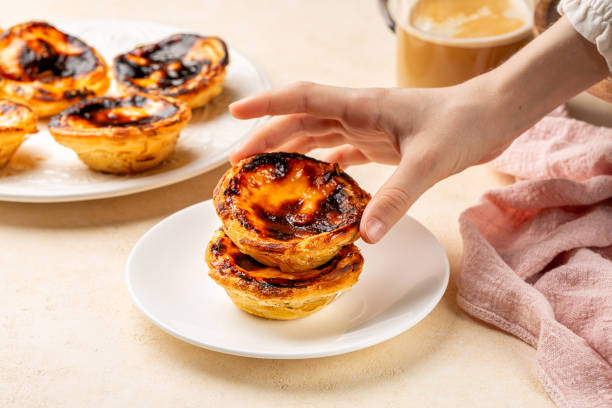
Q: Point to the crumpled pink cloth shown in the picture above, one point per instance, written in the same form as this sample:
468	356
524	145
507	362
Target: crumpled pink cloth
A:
537	257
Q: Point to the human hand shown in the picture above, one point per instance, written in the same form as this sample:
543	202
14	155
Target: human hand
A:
429	134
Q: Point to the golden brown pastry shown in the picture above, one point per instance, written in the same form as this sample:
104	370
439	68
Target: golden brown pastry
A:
268	292
16	122
121	135
289	210
188	67
47	69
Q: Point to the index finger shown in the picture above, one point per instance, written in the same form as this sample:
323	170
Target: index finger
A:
301	97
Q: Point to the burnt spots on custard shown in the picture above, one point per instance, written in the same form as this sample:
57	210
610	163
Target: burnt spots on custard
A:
41	61
278	164
287	195
218	248
281	224
243	218
312	172
289	222
45	54
164	58
278	161
338	202
45	95
335	211
78	93
165	64
118	112
319	180
233	188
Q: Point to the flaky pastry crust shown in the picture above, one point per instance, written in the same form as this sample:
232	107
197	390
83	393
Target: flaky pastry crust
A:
289	210
188	67
48	70
16	122
123	134
268	292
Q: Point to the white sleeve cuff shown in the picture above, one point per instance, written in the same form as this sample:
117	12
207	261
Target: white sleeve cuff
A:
593	20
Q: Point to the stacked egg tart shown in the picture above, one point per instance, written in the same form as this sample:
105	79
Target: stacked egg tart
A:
55	73
286	246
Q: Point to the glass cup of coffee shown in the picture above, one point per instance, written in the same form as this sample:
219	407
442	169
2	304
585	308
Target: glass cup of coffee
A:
446	42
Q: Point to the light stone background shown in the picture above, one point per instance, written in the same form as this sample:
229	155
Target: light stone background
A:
70	336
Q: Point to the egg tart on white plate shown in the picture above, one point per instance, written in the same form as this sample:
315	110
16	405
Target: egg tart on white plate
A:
188	67
268	292
289	210
121	134
16	122
47	69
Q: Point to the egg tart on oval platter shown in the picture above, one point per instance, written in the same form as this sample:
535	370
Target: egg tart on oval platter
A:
121	135
188	67
16	122
47	69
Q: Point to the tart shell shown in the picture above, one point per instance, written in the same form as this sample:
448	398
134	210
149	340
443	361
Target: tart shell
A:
48	70
121	135
289	210
268	292
16	122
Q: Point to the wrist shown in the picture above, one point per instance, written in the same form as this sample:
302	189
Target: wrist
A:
495	110
513	108
543	75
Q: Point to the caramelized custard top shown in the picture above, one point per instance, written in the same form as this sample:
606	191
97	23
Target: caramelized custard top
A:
284	196
172	62
115	112
38	51
227	258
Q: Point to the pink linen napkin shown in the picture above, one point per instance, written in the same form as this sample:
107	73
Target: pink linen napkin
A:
537	259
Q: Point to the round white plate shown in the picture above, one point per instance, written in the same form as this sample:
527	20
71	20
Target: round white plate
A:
403	278
44	171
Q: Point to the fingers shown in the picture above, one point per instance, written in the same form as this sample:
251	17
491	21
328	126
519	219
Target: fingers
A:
346	156
304	144
279	130
395	197
301	97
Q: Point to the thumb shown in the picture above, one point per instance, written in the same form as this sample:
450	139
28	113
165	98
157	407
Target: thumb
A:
393	199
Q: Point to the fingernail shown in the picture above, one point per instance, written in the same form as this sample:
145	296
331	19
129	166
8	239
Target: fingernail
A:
374	230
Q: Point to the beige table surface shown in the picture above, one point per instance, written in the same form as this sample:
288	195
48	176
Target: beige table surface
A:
70	336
